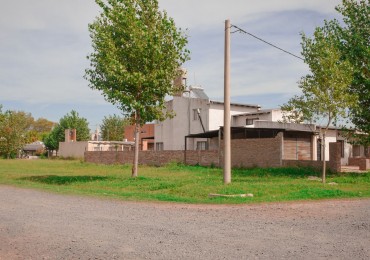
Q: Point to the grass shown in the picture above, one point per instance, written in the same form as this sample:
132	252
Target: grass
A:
179	183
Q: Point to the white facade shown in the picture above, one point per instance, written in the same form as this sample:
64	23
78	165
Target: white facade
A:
270	115
77	149
195	114
190	114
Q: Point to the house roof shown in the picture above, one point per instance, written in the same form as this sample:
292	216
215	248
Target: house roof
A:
235	104
198	93
254	113
245	131
33	146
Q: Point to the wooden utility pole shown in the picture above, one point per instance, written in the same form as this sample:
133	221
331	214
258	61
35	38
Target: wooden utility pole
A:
227	135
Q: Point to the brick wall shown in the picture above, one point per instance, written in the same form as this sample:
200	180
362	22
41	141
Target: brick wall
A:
262	152
334	164
363	163
156	158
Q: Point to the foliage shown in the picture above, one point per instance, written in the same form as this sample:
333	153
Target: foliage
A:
51	140
137	53
353	41
13	130
113	128
325	92
179	183
73	120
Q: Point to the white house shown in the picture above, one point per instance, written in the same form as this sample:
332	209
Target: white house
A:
194	113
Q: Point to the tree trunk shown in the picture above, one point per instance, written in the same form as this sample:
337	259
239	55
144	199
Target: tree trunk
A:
136	154
324	159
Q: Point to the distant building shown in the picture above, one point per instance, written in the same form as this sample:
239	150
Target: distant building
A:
146	136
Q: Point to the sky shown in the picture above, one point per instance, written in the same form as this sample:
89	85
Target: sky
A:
44	44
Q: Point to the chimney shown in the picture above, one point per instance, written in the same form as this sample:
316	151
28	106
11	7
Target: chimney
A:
70	135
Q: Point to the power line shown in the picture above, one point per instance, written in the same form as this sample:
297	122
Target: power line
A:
243	31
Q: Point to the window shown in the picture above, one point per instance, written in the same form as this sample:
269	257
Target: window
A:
196	113
202	145
159	146
250	121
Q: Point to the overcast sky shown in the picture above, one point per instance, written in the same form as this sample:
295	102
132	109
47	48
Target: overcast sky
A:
44	44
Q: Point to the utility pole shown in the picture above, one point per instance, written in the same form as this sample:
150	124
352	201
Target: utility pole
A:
227	135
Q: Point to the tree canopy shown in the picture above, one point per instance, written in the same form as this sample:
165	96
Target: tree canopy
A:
325	91
14	126
137	51
353	40
113	128
73	120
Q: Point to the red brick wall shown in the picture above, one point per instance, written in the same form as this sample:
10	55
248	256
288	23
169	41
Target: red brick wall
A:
334	163
262	152
157	158
363	163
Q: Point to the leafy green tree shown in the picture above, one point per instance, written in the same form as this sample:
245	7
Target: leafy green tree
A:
137	53
13	130
51	140
113	128
325	91
73	120
353	39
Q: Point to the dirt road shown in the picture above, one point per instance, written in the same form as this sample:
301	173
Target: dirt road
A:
40	225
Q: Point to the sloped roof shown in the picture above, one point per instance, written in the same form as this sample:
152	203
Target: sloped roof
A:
34	146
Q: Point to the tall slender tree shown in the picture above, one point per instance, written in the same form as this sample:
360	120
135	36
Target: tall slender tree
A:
325	91
137	50
353	39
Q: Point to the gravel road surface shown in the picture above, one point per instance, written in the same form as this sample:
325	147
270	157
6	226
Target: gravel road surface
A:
41	225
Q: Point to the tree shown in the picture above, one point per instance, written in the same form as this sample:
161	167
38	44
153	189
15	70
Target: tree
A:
13	130
72	120
113	128
51	140
353	41
325	92
137	53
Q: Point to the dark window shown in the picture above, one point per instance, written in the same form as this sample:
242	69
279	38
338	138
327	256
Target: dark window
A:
250	121
202	145
159	146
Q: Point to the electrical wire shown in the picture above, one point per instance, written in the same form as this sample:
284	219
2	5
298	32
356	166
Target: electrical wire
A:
243	31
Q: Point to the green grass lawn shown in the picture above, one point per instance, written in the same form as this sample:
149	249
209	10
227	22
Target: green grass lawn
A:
178	183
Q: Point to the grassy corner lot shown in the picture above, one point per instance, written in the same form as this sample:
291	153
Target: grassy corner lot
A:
179	183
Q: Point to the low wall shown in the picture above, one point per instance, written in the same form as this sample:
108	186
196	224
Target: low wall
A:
72	149
363	163
334	164
264	152
261	152
157	158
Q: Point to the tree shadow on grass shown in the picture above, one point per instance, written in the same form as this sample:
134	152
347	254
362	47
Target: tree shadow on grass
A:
64	180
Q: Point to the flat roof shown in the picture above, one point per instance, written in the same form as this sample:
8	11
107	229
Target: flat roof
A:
214	133
253	113
235	104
